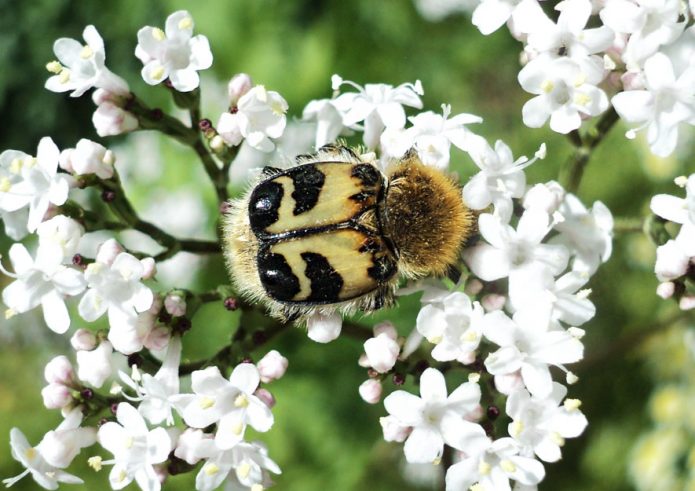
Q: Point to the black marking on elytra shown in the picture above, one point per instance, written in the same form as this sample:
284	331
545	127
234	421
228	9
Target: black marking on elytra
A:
308	182
384	268
264	205
276	276
362	196
326	282
370	245
367	174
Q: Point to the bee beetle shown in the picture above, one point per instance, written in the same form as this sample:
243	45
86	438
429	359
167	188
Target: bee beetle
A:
334	233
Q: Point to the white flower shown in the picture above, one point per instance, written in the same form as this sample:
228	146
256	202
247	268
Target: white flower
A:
677	210
81	67
436	419
194	445
382	352
378	105
492	465
433	134
565	90
324	328
393	430
156	393
239	85
45	475
97	365
60	446
173	53
35	183
229	403
509	251
500	179
452	324
115	287
61	381
44	282
272	366
666	102
546	197
542	423
135	449
588	234
650	24
110	118
672	261
370	391
250	463
88	157
59	238
563	296
329	121
260	116
490	15
568	37
527	344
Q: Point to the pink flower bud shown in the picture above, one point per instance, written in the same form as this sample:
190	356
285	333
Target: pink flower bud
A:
65	160
687	302
149	269
666	289
239	85
507	383
272	366
83	339
363	361
393	431
175	305
157	339
108	251
382	352
59	371
493	301
387	328
56	396
632	81
473	287
265	396
370	391
109	119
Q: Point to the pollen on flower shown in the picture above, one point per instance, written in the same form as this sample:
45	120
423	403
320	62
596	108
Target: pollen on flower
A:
238	428
484	468
243	470
681	181
583	294
64	76
129	442
435	339
86	52
211	469
580	80
571	378
474	378
158	34
470	336
206	403
121	476
186	23
54	67
109	158
5	185
30	453
557	439
547	86
508	466
516	428
241	401
437	461
95	463
157	73
582	99
16	166
572	404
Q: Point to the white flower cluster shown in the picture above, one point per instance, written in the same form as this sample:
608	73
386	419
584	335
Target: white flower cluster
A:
530	271
642	51
676	258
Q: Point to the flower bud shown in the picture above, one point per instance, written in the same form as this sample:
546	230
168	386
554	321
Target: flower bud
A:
59	371
546	197
265	396
324	328
149	268
363	361
109	120
83	340
666	289
108	251
493	301
394	431
370	391
94	367
671	261
387	328
687	302
239	85
228	128
157	339
65	160
56	396
509	382
175	304
473	287
272	366
382	352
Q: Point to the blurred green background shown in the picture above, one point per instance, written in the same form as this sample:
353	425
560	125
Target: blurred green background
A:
325	437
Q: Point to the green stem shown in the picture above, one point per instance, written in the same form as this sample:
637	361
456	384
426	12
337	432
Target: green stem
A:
572	172
628	224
